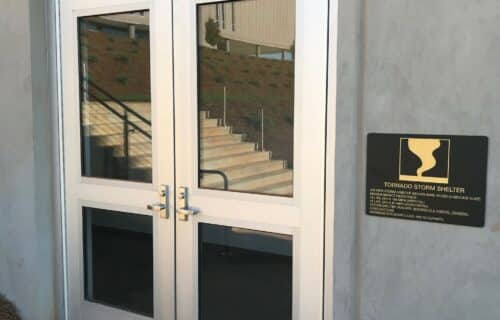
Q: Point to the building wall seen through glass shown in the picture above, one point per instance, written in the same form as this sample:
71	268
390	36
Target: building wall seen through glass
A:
114	62
246	95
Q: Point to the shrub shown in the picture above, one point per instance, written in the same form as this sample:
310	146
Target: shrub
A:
219	79
8	310
253	120
212	35
122	79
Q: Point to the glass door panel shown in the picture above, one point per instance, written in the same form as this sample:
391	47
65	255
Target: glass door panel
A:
115	96
246	74
244	274
118	256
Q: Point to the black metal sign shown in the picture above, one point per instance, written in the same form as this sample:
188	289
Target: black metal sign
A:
428	178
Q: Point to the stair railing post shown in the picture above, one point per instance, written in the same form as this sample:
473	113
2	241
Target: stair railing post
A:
262	128
125	141
225	107
85	83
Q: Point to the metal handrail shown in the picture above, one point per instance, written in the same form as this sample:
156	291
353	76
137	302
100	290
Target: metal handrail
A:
119	115
218	172
121	104
128	123
123	116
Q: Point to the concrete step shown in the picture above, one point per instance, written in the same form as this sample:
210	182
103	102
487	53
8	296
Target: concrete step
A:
257	181
97	108
262	181
283	189
209	123
111	140
108	129
101	115
226	150
236	159
242	171
105	116
214	131
117	122
226	139
142	108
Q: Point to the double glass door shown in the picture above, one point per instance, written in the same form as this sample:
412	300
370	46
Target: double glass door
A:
194	158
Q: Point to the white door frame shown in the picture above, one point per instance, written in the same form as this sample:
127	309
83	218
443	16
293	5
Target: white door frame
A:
301	216
113	194
59	139
331	121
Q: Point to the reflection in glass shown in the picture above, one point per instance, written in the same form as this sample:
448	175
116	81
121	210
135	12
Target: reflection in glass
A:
115	99
244	274
246	95
118	254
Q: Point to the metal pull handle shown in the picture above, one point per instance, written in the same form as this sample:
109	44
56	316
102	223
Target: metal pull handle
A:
157	207
183	210
185	213
161	207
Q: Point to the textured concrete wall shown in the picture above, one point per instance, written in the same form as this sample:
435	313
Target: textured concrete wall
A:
346	173
428	66
26	231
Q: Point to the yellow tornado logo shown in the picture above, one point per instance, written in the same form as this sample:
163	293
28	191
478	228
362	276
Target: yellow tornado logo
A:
424	150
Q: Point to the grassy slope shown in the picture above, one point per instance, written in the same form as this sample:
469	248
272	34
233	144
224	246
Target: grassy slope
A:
121	66
252	83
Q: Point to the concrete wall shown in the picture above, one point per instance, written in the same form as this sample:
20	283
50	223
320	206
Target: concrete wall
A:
26	210
428	66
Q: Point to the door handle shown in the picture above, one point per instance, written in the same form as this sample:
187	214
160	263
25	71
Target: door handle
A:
183	210
157	207
185	213
161	207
